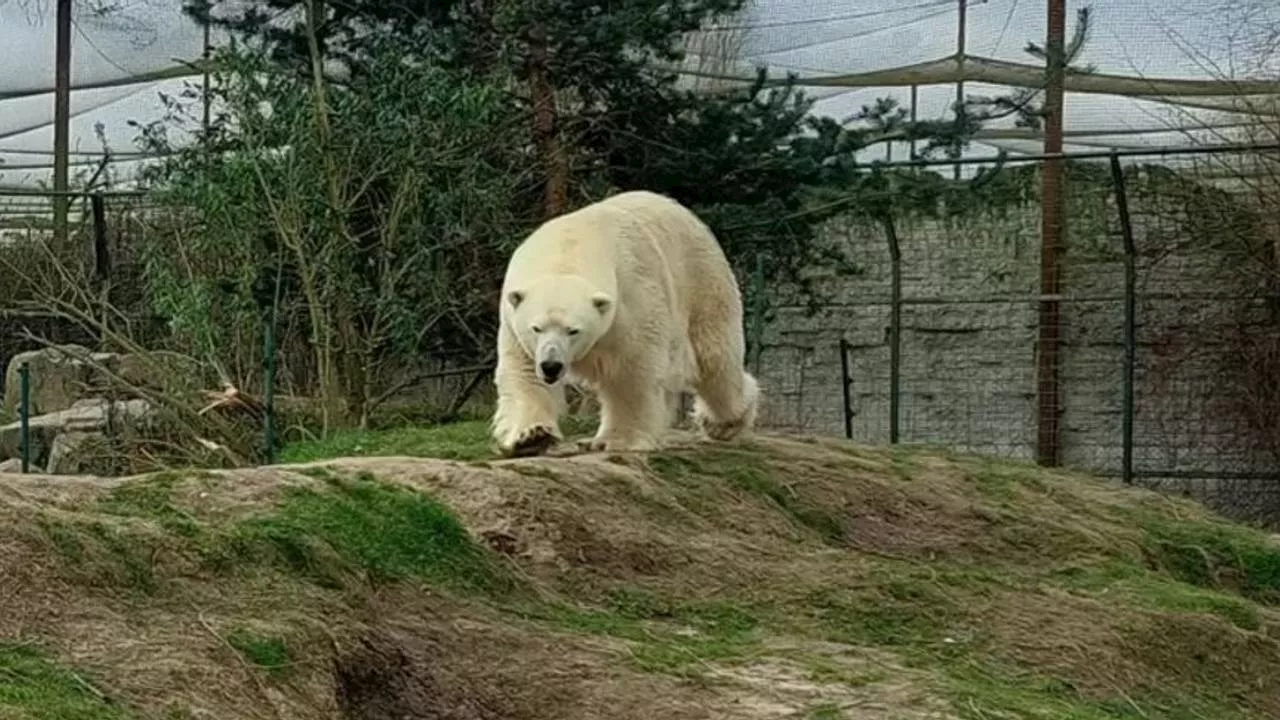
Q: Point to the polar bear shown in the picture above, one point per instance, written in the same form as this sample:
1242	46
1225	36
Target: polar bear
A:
632	298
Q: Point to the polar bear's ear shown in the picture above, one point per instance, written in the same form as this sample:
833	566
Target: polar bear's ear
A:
601	302
515	297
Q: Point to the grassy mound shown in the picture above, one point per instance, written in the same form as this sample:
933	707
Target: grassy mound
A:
769	579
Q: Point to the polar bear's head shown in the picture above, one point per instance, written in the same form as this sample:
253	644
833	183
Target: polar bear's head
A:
558	320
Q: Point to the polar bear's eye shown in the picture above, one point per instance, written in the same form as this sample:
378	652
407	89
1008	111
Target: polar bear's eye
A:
537	329
573	331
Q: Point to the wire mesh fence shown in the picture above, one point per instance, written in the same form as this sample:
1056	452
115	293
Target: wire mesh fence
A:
1165	331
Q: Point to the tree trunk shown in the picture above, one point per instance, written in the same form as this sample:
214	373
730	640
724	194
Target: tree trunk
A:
555	162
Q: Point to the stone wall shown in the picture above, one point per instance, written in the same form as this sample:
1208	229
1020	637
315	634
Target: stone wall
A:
969	328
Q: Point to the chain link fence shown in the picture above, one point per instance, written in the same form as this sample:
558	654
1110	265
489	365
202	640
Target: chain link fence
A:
1166	328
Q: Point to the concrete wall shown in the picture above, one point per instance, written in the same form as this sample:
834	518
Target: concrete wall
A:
969	328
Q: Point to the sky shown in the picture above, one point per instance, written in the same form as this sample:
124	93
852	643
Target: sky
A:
115	39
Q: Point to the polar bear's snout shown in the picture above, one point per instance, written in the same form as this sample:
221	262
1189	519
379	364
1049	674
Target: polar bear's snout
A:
550	371
553	349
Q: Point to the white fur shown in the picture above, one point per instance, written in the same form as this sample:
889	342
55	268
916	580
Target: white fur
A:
634	295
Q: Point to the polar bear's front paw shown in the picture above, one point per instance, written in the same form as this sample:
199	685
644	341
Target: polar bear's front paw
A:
533	440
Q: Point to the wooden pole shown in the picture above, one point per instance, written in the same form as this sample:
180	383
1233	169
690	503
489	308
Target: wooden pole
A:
61	120
1052	230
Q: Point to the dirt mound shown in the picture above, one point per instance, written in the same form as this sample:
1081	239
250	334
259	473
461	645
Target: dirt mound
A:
771	579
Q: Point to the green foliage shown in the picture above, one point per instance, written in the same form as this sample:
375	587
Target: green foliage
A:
34	688
338	35
372	221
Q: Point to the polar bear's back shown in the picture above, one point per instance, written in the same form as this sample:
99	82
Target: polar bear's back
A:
700	274
608	241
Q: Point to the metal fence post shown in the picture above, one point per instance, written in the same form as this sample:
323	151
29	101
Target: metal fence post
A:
101	252
846	387
757	314
101	265
24	415
1130	317
895	329
269	387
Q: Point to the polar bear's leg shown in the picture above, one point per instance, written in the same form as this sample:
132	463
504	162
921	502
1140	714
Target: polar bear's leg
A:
633	413
727	395
726	404
526	421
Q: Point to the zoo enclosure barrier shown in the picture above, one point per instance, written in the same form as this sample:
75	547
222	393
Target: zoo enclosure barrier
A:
99	249
95	236
1152	359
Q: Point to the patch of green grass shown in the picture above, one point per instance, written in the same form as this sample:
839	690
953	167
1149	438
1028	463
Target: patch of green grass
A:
453	441
103	554
1218	555
672	468
325	534
661	509
903	461
827	711
905	613
984	691
714	617
34	688
666	636
391	532
152	497
130	553
467	441
577	425
109	551
269	653
749	473
64	538
825	672
1001	482
1158	592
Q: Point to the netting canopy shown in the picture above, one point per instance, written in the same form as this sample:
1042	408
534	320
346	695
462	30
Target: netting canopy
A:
1162	73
